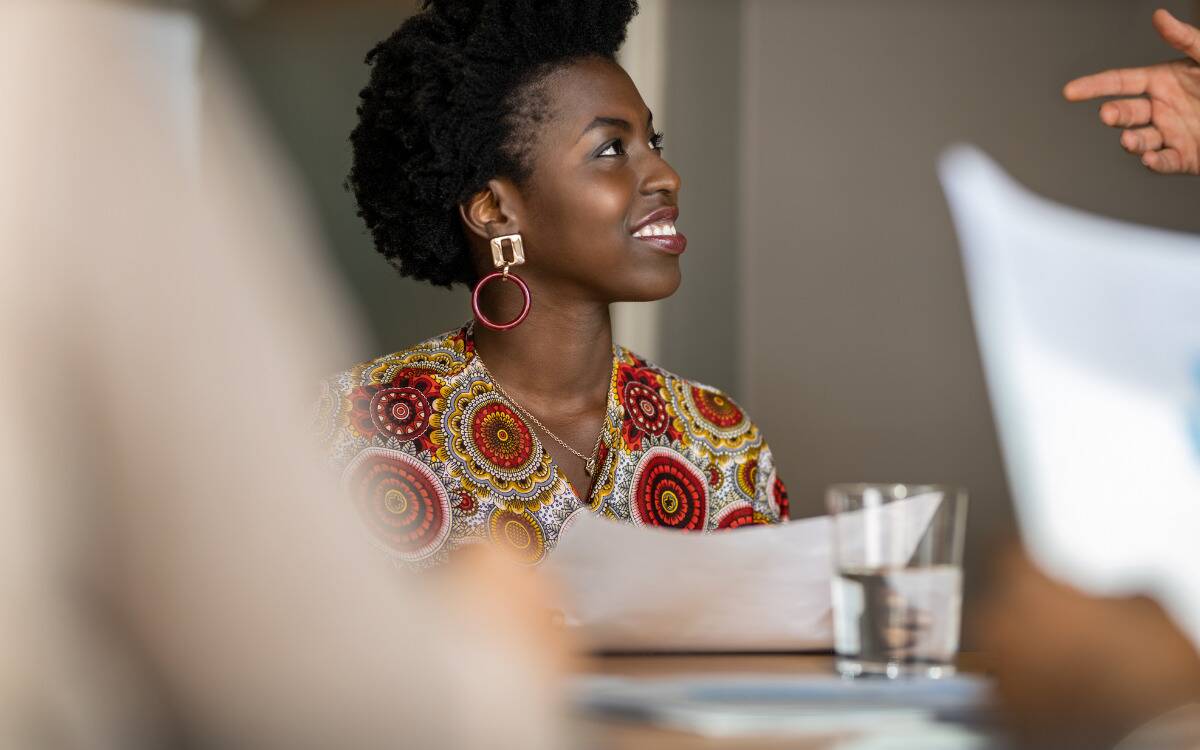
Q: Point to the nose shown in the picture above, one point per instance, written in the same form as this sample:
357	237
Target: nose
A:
659	177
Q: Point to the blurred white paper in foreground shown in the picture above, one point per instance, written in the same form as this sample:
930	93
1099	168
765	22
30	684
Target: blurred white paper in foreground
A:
1090	335
763	588
893	714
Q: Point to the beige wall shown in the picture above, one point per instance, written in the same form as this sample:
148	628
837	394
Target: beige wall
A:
700	322
857	353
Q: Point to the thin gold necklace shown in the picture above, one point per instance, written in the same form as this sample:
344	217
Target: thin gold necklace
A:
589	462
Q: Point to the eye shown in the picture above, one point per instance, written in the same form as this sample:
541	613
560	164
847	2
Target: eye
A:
612	148
656	141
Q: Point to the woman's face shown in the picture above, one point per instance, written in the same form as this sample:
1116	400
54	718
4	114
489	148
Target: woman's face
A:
597	214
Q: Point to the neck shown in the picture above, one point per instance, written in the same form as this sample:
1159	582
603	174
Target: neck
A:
560	354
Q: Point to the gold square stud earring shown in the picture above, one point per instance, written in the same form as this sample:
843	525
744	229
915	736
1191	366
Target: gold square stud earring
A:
518	251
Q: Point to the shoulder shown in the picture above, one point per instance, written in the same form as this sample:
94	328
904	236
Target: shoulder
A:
709	428
390	396
705	411
443	355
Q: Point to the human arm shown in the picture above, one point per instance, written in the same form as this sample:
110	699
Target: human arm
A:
1075	670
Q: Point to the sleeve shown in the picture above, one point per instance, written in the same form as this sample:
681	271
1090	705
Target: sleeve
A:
771	493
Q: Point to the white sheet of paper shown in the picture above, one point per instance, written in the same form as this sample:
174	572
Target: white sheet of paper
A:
763	588
1090	334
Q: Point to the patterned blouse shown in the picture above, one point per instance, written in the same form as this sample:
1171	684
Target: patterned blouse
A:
435	457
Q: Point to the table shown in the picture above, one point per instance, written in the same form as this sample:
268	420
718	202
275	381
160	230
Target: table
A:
616	736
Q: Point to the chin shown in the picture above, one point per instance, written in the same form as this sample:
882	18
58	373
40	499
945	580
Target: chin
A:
649	287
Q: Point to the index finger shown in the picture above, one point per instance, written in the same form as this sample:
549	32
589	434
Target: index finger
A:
1120	82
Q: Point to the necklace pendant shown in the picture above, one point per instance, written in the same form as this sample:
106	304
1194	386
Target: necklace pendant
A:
590	466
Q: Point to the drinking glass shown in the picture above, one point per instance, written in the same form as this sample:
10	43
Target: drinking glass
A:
897	578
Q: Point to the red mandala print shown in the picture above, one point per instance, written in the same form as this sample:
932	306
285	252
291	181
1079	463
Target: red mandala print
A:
401	412
605	476
423	383
645	408
501	437
780	497
715	478
467	503
462	338
738	515
359	414
645	411
418	378
716	408
669	491
601	453
404	504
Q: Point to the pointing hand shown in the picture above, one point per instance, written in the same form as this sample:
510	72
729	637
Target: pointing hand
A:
1162	120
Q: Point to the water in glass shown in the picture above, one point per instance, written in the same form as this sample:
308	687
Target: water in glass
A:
898	621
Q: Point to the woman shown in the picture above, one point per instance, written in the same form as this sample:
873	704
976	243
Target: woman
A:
501	146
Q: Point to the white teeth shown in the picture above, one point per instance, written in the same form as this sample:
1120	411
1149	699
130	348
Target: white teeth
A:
657	229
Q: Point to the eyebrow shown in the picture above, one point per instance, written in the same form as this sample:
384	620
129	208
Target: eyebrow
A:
616	122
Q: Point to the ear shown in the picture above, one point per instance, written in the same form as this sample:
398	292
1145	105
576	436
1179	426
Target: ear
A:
492	212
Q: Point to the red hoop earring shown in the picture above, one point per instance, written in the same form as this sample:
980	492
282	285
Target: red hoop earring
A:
503	276
498	259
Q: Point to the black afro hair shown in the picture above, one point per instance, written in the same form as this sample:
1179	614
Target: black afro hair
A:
450	95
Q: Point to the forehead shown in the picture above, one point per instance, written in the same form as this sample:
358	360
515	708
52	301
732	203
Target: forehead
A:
586	89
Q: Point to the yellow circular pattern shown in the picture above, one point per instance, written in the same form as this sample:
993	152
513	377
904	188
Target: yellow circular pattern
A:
395	501
518	533
747	477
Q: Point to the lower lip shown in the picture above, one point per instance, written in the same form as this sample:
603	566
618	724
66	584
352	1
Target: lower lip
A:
674	244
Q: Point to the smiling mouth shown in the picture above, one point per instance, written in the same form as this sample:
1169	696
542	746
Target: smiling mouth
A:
657	229
663	235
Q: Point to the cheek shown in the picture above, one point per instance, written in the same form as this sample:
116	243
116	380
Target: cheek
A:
607	202
592	213
580	232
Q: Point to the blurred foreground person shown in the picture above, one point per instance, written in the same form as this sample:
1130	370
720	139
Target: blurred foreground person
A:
1163	123
173	570
1080	671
